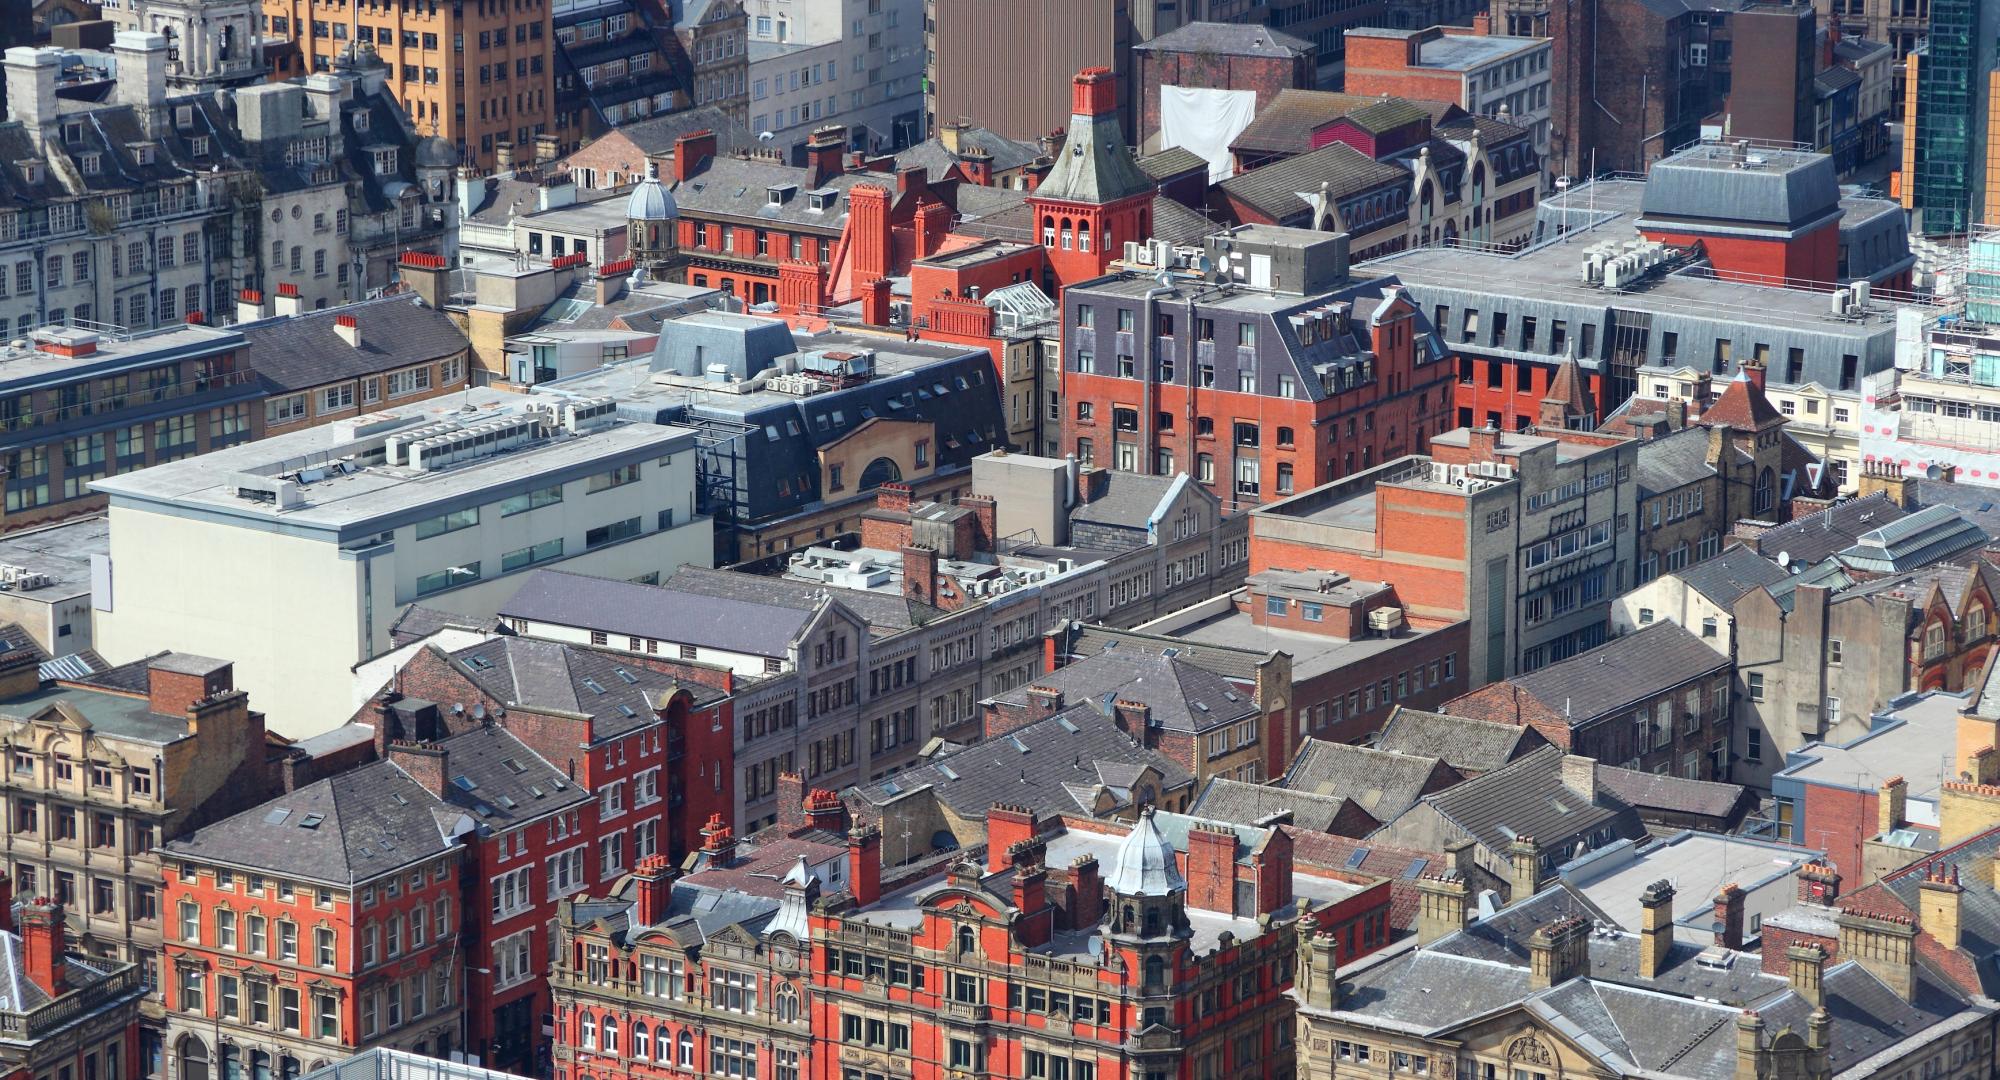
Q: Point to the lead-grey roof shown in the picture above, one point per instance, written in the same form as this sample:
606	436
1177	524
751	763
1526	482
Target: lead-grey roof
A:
351	827
1130	500
1172	161
1279	190
1674	794
656	135
1913	541
663	613
1622	672
937	162
1816	536
1673	460
1145	864
620	695
1095	165
1228	39
1527	798
884	612
1465	743
301	352
1725	578
1059	764
739	188
1246	803
1789	190
1384	784
1183	697
500	783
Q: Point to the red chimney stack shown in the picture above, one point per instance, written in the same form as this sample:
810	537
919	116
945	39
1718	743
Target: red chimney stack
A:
653	890
864	864
1094	92
44	939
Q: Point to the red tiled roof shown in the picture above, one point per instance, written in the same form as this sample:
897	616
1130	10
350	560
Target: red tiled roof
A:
1743	406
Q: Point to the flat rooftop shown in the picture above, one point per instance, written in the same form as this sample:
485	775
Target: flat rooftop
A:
606	214
974	254
1312	654
22	368
636	382
371	497
1550	272
115	715
1463	52
59	552
1699	865
1914	742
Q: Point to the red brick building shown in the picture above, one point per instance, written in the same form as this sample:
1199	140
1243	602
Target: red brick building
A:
63	1019
1297	377
1095	198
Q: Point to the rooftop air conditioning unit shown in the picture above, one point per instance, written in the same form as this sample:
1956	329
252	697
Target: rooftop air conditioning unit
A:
1386	620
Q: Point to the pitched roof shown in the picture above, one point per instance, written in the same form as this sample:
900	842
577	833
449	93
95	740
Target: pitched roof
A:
300	352
620	695
1257	804
1673	460
1468	744
1277	189
630	609
938	162
1402	866
1094	166
740	188
1816	536
1235	663
1674	794
1177	224
883	612
1172	162
1528	798
1287	123
1228	39
1726	577
1621	672
1383	783
1182	696
1130	500
1915	540
656	134
1387	114
348	828
1064	763
1743	406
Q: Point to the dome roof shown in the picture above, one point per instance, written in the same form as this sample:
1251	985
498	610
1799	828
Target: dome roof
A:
435	152
1146	865
651	202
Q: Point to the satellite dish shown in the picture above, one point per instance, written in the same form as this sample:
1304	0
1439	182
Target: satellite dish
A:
1932	472
1784	558
1164	280
766	136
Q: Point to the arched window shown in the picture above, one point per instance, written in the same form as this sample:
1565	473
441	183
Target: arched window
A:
880	471
968	939
1067	234
1933	641
260	1065
1048	232
686	1060
1156	970
1765	491
788	1005
610	1034
1083	235
1975	623
193	1055
642	1041
588	1038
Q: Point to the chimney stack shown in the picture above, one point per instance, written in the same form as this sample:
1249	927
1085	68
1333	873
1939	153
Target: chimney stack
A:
289	302
1808	971
1891	805
31	90
1656	928
824	150
429	764
1524	868
718	840
249	305
692	152
349	329
1006	825
1941	901
44	940
1094	92
1579	774
825	811
1441	905
864	864
1560	952
1729	917
791	802
653	890
142	76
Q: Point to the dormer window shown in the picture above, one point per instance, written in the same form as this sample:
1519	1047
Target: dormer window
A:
361	120
143	153
184	116
31	171
822	200
72	132
91	164
385	161
198	146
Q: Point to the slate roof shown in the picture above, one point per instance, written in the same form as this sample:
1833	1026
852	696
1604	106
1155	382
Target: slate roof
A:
495	779
1671	794
1977	960
1386	115
1177	224
1527	798
666	613
1646	1031
1913	541
1228	39
739	189
656	135
21	994
1274	189
1129	500
1382	783
301	352
1253	804
1172	162
1402	866
418	622
1182	695
1228	661
1094	165
1059	764
1468	744
1622	672
1286	124
1819	535
1725	578
938	162
1673	460
348	828
620	695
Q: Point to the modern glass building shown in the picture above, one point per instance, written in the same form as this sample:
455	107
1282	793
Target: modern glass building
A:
1948	164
